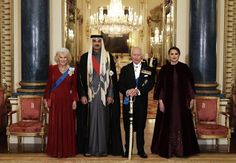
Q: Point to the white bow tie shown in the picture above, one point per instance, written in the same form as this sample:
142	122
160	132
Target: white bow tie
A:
137	66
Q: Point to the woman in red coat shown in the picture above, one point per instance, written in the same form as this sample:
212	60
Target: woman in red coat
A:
60	98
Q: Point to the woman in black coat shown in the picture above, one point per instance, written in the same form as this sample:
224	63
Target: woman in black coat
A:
174	133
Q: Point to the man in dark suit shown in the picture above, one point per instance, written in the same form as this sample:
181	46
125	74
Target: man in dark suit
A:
153	62
136	80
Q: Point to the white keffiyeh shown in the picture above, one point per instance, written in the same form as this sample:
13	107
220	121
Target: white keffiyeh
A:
104	74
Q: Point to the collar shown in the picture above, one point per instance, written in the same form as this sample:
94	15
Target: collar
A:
137	65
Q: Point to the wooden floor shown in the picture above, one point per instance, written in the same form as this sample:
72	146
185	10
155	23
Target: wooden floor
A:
43	158
31	153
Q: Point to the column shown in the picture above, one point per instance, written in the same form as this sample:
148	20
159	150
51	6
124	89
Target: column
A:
202	47
35	45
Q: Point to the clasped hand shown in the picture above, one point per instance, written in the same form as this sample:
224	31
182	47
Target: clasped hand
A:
132	92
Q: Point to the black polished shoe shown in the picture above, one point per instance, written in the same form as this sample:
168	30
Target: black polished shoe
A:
143	155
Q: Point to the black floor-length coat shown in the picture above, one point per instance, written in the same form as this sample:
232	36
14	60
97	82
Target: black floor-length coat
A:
174	133
115	146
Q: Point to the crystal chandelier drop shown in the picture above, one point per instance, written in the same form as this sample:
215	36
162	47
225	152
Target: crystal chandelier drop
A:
157	38
117	20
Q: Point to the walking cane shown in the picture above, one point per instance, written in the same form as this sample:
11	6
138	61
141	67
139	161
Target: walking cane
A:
130	126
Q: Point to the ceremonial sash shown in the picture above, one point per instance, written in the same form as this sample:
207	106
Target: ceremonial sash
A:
96	65
59	80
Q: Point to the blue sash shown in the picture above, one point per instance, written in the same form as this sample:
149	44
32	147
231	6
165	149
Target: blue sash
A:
59	80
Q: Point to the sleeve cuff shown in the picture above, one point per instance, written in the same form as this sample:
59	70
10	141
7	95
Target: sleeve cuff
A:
126	93
139	93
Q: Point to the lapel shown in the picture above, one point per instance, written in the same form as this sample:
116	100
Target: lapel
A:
141	76
132	74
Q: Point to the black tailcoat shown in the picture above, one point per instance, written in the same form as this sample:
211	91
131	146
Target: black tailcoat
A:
145	84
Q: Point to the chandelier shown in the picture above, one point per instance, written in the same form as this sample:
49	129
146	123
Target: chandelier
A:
157	38
117	20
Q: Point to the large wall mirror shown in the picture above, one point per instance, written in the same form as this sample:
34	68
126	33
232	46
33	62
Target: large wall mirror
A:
69	27
162	23
155	22
158	30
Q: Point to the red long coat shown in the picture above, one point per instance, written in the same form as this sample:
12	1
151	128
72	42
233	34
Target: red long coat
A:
61	127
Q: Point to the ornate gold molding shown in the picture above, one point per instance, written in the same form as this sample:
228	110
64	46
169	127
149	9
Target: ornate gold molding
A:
69	27
208	91
229	47
6	44
32	84
210	85
30	90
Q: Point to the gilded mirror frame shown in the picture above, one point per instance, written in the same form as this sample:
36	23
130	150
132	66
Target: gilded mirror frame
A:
169	26
162	30
69	27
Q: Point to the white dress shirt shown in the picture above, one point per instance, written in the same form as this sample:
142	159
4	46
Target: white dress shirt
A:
137	68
